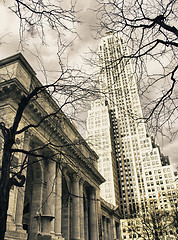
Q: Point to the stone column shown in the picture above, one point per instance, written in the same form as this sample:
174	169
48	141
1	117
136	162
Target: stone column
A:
92	216
58	203
109	230
75	208
105	228
112	228
19	209
21	190
82	233
86	219
34	227
117	230
49	201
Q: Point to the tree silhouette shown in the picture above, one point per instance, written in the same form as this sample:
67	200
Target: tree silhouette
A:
65	89
154	223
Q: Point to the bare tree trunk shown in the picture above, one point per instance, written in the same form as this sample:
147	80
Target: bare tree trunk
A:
4	190
4	201
5	186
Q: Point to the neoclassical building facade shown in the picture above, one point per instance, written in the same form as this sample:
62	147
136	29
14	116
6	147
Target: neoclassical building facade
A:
61	196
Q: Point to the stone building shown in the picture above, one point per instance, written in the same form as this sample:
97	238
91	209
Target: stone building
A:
110	223
61	196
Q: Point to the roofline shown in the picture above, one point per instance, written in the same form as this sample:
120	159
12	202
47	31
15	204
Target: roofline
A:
18	57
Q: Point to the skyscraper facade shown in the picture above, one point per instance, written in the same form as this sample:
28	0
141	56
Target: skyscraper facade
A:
101	139
144	175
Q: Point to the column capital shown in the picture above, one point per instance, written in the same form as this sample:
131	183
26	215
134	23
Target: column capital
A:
64	168
76	177
59	167
28	133
82	180
92	190
93	214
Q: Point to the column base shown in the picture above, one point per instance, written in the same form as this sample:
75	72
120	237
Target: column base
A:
16	235
45	221
58	237
44	237
10	224
19	228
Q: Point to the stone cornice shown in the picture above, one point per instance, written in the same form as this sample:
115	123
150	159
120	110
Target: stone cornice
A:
18	57
110	209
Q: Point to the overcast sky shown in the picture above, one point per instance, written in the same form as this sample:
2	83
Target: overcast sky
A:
9	45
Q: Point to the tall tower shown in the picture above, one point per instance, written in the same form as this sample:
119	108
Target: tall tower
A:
137	157
100	137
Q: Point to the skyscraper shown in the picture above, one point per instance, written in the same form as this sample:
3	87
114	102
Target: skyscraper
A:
101	139
144	177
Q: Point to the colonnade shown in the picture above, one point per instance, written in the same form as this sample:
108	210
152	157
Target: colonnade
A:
63	206
106	228
58	203
50	213
110	228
